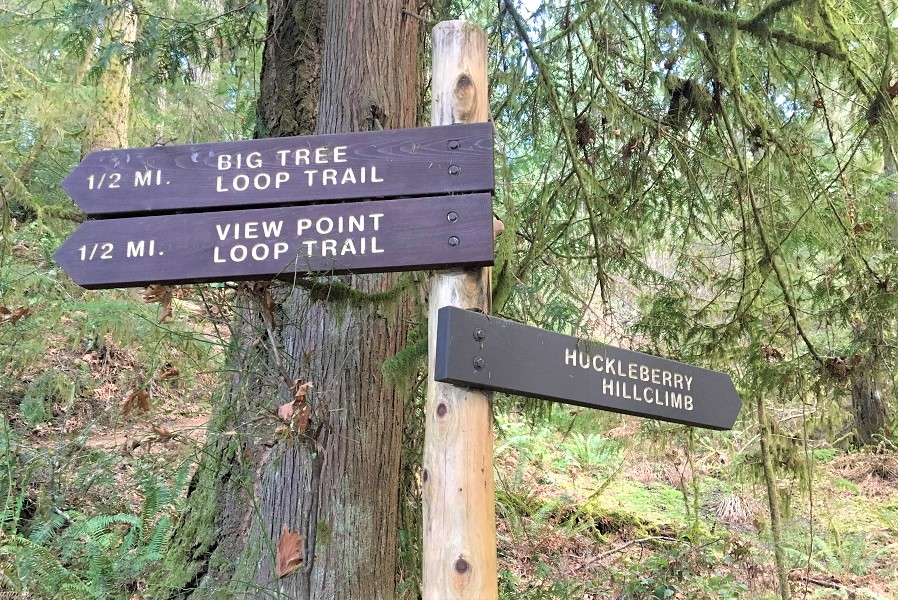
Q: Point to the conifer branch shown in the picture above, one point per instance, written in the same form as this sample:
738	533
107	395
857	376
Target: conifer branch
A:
709	17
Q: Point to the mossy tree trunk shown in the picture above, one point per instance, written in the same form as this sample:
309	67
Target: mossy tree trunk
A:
338	66
108	126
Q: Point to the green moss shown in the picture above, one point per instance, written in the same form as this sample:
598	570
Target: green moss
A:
402	367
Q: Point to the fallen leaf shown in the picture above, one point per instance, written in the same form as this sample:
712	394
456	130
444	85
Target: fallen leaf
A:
162	294
289	555
301	390
12	317
163	434
302	416
135	398
285	411
170	372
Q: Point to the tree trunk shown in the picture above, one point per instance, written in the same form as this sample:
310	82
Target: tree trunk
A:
354	64
867	402
776	527
108	127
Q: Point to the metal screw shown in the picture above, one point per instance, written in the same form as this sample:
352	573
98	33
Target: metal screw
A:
478	363
453	241
452	216
454	169
479	334
453	144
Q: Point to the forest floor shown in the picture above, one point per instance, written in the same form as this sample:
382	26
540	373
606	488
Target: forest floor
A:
104	408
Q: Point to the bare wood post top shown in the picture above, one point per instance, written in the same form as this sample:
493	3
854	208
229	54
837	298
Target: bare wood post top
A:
459	512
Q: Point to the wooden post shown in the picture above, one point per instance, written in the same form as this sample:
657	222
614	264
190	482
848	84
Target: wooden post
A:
459	510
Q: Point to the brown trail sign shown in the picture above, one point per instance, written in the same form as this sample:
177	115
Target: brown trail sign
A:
387	235
496	354
290	170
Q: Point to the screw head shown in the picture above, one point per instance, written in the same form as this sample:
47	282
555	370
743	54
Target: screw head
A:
454	169
453	144
479	363
479	334
452	216
454	241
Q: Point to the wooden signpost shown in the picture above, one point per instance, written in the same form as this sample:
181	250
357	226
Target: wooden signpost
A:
438	215
290	170
358	237
501	355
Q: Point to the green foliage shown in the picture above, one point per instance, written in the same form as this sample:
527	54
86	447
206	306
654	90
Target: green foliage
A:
51	387
51	552
682	570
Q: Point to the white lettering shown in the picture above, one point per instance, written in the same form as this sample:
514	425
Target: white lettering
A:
241	182
134	249
254	160
348	247
238	253
272	228
260	251
280	248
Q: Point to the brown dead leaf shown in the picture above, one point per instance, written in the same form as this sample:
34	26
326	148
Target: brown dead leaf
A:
170	372
301	390
298	412
289	555
135	398
162	434
285	411
301	416
162	294
12	317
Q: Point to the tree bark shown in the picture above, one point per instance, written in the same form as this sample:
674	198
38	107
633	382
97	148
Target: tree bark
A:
776	527
338	66
108	126
867	402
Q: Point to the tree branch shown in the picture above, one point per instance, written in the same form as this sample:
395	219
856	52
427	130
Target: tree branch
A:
709	17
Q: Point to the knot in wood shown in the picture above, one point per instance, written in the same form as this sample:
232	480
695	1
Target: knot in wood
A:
465	98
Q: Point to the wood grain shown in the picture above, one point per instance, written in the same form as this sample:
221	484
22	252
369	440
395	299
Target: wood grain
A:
520	359
382	236
420	161
458	496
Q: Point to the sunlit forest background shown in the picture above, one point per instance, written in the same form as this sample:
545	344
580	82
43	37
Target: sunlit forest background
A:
712	182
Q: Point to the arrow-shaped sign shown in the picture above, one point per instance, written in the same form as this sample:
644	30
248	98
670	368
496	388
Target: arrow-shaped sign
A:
358	237
487	352
291	170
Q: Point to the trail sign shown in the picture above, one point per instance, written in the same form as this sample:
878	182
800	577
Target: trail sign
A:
481	351
290	170
358	237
